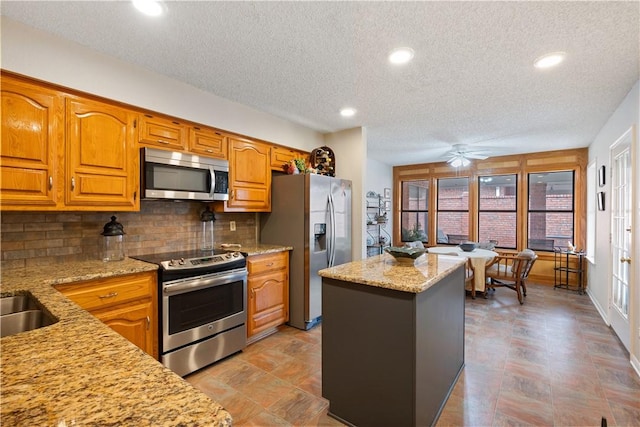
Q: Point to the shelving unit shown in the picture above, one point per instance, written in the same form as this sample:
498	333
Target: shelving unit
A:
567	264
377	216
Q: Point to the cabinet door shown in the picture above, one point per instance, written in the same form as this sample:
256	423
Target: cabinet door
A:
249	176
132	322
280	156
268	305
102	160
161	132
31	146
208	142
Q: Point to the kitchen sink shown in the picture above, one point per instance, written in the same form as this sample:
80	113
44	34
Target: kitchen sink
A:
21	313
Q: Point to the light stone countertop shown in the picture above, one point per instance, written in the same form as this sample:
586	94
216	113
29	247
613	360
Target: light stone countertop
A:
383	271
79	371
261	249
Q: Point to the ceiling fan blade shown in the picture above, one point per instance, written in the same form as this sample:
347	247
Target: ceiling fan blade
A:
477	156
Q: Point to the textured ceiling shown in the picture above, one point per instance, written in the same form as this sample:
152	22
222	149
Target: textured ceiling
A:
471	81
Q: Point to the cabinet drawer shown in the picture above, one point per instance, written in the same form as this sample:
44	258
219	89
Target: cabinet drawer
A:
257	264
161	132
100	293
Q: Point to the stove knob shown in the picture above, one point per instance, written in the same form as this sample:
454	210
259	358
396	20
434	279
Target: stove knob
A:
181	262
172	263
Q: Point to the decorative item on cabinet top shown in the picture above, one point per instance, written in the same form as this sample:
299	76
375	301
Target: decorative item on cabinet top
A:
323	161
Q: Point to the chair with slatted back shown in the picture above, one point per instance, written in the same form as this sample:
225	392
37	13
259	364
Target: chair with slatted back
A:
511	271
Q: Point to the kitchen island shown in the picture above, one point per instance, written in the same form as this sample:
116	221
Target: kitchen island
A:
392	339
78	371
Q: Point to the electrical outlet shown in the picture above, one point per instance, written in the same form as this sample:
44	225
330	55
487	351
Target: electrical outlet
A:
232	225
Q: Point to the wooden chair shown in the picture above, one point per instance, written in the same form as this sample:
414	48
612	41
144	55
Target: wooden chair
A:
511	271
469	271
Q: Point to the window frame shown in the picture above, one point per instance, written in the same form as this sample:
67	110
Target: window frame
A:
529	211
469	235
402	211
514	211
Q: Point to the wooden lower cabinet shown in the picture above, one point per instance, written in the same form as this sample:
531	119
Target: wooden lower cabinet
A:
268	294
127	304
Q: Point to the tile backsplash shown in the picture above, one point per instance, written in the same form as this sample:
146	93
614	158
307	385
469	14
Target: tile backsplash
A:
43	238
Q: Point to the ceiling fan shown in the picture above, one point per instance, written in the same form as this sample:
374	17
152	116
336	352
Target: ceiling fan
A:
460	156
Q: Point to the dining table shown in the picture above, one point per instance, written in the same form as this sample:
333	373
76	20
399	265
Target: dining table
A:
479	259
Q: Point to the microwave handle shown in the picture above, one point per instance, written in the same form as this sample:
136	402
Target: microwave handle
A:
211	182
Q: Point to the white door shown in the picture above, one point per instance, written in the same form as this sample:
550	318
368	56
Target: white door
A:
621	180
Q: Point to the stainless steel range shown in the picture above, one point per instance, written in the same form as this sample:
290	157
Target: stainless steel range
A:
202	301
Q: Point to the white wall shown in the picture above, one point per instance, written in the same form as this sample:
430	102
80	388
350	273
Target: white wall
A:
350	149
34	53
379	177
626	115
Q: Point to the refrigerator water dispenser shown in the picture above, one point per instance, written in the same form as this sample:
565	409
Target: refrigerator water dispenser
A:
320	234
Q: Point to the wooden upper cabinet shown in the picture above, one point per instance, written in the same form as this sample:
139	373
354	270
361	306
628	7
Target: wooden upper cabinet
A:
208	142
101	156
156	131
31	146
249	177
281	156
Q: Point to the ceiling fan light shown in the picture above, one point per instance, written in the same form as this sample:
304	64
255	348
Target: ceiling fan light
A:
456	162
465	162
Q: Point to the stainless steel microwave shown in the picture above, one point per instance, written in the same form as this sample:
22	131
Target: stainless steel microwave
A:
181	176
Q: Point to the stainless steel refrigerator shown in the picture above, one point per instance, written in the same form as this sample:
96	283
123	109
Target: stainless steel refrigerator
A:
311	213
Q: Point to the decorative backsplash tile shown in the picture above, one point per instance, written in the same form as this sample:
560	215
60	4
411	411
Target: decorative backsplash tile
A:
45	238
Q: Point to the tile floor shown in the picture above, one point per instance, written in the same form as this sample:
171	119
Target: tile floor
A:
551	361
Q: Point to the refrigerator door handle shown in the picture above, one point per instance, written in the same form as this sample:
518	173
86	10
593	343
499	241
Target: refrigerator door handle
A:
332	236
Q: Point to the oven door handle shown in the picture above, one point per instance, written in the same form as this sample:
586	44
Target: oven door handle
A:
189	285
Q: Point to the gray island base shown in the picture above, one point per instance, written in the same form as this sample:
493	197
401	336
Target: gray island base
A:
391	357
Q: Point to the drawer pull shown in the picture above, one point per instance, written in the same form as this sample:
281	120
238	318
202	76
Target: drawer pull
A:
109	295
270	264
162	141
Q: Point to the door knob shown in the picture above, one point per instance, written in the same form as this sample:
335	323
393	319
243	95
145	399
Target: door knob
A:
627	260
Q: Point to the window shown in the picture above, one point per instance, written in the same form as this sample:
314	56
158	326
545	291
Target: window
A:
414	212
453	210
551	210
497	210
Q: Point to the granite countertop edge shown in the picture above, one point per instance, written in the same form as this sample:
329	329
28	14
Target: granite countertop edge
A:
79	370
383	271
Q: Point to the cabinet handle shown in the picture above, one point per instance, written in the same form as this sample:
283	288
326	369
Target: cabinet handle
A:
135	195
50	182
162	141
627	260
209	151
233	193
73	183
270	264
109	295
148	323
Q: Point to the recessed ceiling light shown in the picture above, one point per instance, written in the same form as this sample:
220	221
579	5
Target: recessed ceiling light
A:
549	60
149	7
401	55
348	112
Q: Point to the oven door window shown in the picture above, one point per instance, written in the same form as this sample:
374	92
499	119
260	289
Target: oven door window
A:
200	307
177	178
